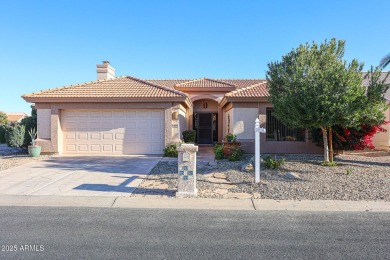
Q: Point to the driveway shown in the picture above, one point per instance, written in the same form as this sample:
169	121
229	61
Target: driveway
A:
78	176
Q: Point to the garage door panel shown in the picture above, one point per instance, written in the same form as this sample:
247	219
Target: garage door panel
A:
135	131
131	125
143	125
70	136
82	136
95	147
157	114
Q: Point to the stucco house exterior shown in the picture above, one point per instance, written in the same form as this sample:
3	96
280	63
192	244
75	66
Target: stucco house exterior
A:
381	140
127	115
15	116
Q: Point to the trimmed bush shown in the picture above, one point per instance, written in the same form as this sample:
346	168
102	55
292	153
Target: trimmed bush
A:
2	134
170	151
189	136
14	135
236	155
218	151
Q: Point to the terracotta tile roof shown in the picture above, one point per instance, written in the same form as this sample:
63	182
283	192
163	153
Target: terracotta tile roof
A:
238	83
255	91
242	83
15	117
168	82
206	83
120	87
382	77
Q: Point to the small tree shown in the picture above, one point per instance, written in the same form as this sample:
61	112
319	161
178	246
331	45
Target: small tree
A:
29	123
2	134
313	87
14	135
3	118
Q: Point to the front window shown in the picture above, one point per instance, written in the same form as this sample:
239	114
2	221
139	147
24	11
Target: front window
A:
277	131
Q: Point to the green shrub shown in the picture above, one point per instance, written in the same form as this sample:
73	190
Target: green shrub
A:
189	136
330	164
2	134
29	123
273	163
236	154
14	135
170	151
218	151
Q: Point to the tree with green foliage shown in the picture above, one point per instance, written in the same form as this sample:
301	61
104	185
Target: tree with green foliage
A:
313	87
29	123
3	118
14	135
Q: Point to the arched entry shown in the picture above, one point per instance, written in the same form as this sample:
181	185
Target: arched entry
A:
205	121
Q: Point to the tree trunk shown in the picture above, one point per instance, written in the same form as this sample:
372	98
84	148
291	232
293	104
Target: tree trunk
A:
330	140
325	138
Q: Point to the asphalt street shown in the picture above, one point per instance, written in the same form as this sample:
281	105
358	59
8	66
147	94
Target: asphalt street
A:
108	233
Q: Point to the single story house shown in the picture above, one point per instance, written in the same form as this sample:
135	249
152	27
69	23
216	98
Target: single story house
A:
381	140
127	115
15	116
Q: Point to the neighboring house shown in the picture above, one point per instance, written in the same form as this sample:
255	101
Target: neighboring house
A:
127	115
16	117
381	140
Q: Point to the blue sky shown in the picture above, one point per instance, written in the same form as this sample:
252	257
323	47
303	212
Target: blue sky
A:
48	44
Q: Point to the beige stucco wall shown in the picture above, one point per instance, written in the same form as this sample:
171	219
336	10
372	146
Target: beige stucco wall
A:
44	123
228	122
244	122
267	146
381	140
182	121
54	143
212	106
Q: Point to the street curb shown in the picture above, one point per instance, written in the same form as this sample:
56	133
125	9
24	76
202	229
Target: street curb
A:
194	203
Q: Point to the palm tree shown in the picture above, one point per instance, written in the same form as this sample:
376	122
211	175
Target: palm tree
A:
385	61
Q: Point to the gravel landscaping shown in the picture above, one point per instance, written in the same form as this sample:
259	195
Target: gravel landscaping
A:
12	157
358	176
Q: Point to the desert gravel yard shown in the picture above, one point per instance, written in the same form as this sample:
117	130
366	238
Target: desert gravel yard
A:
12	157
358	176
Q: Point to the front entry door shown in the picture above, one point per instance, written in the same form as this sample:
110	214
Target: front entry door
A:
205	130
205	125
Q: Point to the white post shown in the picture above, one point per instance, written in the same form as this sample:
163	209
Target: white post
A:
257	151
258	130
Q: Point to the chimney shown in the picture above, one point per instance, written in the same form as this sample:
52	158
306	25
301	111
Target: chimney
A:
105	71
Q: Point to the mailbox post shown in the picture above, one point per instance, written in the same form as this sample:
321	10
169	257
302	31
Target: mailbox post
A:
258	130
187	171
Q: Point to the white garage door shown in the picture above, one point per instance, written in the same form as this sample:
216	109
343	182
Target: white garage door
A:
133	131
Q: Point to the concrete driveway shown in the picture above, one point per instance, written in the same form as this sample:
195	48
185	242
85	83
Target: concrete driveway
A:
78	176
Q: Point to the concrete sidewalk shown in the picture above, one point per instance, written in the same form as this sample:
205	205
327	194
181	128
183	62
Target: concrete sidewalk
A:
198	203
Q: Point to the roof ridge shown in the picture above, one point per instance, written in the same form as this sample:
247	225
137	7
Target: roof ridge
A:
158	86
188	82
73	85
245	88
222	82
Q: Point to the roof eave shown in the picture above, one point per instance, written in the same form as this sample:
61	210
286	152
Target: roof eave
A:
103	100
246	99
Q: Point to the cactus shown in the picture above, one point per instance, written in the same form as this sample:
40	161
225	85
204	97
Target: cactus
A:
33	134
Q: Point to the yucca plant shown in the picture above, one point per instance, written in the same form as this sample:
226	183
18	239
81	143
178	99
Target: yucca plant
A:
33	134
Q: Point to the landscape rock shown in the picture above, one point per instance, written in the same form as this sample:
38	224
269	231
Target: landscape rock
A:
219	175
248	167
